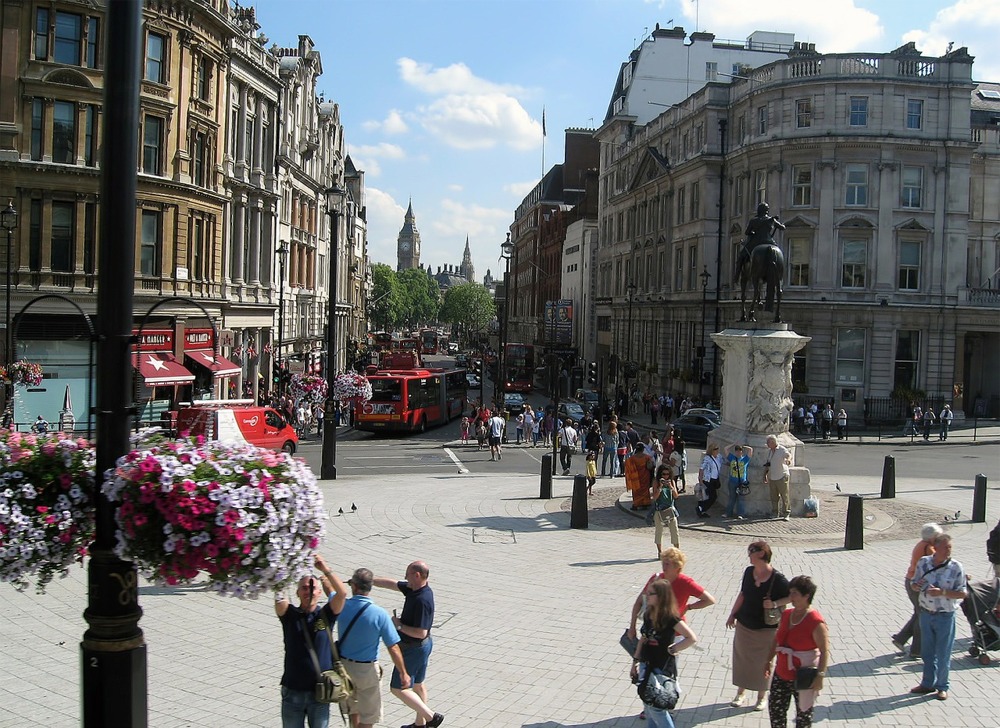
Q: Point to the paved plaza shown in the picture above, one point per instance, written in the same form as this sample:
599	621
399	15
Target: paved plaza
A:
529	613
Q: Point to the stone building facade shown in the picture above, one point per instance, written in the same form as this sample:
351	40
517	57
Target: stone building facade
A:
866	159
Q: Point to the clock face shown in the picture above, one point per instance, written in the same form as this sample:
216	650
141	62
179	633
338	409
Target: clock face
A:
405	247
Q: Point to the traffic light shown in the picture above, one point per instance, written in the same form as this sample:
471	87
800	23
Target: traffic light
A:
592	374
276	374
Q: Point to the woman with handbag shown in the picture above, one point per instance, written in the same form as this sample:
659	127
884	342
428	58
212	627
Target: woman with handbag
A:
755	615
664	512
708	476
654	666
609	456
802	646
678	464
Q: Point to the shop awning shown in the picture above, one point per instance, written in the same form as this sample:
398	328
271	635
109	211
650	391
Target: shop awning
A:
160	369
220	367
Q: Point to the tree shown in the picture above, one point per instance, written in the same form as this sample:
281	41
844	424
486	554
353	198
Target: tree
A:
421	297
385	311
469	305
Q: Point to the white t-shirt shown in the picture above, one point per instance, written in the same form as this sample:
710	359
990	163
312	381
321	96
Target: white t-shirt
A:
777	460
496	425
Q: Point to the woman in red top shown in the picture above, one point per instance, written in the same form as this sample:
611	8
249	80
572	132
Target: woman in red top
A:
802	640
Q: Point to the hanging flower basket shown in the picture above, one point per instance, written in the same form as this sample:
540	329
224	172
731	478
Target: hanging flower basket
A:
24	374
46	506
249	518
308	388
352	385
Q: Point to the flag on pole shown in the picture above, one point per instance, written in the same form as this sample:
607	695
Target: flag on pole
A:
543	121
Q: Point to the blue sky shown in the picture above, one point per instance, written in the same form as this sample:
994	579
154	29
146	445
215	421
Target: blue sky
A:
442	99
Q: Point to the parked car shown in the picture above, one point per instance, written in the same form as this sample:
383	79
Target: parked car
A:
513	403
694	428
706	411
461	360
587	397
472	379
572	410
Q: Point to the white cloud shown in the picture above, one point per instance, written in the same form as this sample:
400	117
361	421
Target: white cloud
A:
385	218
467	112
455	188
383	151
392	124
833	25
520	190
370	166
971	23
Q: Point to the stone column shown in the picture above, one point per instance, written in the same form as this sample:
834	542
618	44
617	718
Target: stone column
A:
239	239
253	248
757	403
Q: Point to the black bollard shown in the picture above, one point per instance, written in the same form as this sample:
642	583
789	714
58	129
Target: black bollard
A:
979	500
889	477
854	537
578	516
545	485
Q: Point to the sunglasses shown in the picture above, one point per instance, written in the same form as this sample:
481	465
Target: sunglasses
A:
754	550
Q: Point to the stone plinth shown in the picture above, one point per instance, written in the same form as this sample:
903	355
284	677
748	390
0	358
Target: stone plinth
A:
756	403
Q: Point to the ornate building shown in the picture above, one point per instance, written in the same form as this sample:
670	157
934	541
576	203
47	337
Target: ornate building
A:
408	242
467	270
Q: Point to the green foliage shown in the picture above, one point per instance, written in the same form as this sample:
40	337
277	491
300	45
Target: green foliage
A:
386	311
421	297
469	305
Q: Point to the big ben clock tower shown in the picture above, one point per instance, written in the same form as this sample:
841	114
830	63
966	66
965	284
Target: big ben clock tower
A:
408	243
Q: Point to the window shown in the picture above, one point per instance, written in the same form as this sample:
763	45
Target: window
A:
742	127
799	253
761	120
198	258
90	136
695	200
68	38
857	185
802	185
152	144
678	268
62	236
859	111
156	52
199	159
92	43
64	132
907	360
850	355
42	34
89	237
35	237
855	259
739	193
37	120
760	186
681	204
913	184
203	80
803	113
711	71
149	254
914	114
909	265
692	268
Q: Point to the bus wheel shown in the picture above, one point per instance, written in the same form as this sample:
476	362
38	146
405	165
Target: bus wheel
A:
423	425
288	447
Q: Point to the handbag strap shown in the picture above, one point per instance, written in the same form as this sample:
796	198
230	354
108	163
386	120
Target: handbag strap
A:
329	634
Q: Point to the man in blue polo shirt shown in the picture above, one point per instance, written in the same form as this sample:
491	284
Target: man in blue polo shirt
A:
308	621
414	627
362	624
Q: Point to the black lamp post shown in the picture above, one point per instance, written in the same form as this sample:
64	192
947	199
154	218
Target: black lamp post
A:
282	253
8	220
629	364
704	275
506	252
328	467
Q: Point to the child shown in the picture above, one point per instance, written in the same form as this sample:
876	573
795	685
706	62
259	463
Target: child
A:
591	471
465	430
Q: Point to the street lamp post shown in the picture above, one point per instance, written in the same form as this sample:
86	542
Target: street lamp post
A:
282	253
8	220
506	252
328	467
629	364
704	275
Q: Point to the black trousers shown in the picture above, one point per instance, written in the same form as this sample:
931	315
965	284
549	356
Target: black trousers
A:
566	457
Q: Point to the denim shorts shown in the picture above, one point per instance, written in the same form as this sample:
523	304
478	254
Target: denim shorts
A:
416	655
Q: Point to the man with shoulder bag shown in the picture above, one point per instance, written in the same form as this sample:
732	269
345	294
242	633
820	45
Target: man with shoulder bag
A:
306	631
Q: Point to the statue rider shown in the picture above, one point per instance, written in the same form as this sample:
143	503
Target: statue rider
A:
760	231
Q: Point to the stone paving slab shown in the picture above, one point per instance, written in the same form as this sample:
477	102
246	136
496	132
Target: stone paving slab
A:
527	625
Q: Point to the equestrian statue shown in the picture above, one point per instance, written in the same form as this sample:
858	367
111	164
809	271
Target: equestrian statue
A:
760	260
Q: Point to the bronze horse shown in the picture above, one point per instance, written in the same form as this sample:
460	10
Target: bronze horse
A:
765	265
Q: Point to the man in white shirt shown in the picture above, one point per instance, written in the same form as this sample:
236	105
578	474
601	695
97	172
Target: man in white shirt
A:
496	428
945	418
777	459
568	440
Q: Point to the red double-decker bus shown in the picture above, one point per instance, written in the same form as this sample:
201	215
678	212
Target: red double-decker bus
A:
382	340
411	400
429	341
411	343
519	367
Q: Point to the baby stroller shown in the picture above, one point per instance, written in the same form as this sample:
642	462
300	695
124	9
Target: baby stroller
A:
983	612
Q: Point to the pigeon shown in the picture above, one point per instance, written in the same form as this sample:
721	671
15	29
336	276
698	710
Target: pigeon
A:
957	514
354	508
340	511
837	486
